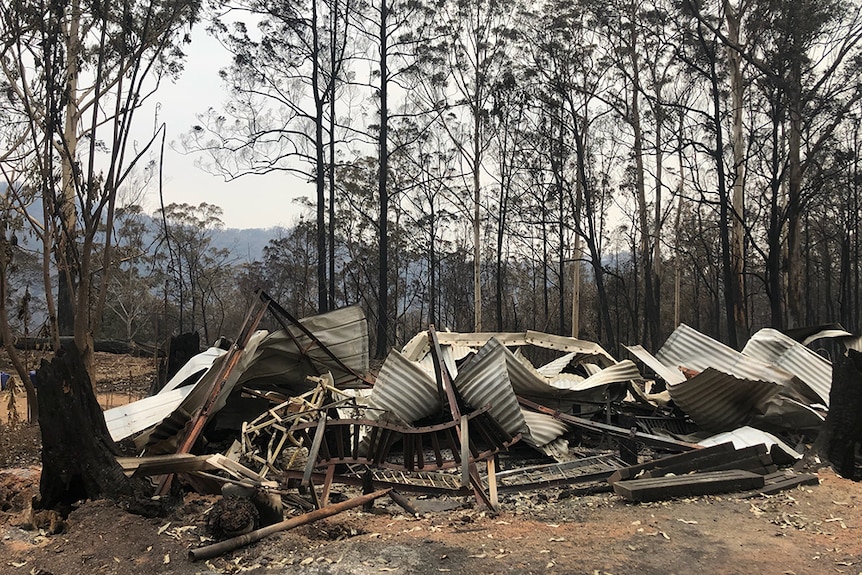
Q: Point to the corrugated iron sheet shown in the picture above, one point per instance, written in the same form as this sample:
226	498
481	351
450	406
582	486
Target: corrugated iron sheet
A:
671	375
687	347
718	401
783	412
273	361
553	368
622	372
772	346
485	380
748	436
418	346
278	361
543	429
405	388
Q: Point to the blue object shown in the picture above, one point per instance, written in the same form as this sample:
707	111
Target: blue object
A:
33	378
4	378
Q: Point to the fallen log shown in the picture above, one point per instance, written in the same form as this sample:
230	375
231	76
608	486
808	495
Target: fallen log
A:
404	503
217	549
100	345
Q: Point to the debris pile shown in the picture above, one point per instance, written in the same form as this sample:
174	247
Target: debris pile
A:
280	417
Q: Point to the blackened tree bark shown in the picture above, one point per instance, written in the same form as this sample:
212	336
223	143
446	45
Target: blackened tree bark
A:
843	428
78	455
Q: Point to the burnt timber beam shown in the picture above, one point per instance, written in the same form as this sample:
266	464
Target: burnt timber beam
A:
594	426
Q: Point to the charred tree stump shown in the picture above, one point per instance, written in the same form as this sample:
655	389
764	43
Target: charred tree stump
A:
843	428
181	349
78	454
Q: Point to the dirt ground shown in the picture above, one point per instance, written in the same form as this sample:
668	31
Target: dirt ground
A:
807	530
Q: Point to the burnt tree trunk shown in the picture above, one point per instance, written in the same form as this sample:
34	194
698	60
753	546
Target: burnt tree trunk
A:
843	428
78	455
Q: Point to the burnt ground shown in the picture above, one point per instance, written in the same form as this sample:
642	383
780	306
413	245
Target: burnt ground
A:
814	529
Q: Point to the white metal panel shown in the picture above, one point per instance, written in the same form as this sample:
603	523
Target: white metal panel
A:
670	374
126	420
201	361
748	436
622	372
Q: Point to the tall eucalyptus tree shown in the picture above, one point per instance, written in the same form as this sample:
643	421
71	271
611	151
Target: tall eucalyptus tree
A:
288	60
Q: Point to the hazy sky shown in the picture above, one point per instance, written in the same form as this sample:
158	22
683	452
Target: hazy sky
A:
250	201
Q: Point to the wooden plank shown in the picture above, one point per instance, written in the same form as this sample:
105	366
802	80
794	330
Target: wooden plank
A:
492	481
783	480
747	458
687	457
657	489
465	452
315	448
233	467
161	464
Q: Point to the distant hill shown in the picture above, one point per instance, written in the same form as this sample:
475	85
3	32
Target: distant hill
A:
246	245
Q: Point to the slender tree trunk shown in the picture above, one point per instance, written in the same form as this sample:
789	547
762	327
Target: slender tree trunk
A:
591	239
649	302
67	269
501	234
6	336
774	289
737	241
724	205
795	296
320	164
382	178
677	282
333	62
576	258
477	198
657	267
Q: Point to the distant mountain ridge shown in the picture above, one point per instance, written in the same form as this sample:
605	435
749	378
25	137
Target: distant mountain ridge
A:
245	245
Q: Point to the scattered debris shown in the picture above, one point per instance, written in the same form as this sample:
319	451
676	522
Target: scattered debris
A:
286	415
230	544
